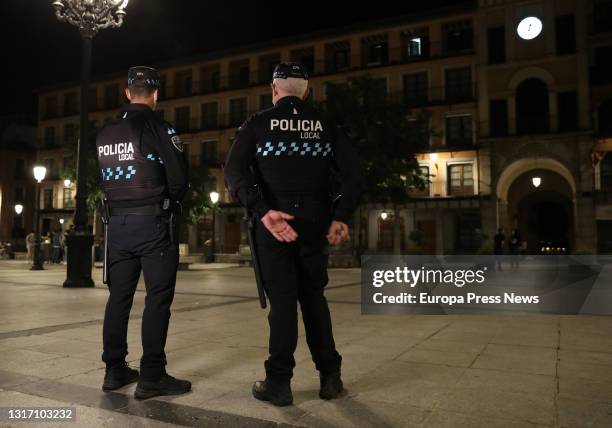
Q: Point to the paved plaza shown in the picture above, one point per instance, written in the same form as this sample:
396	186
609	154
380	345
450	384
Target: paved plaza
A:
399	371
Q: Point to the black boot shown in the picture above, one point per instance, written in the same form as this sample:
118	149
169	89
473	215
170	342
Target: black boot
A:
331	386
277	393
166	385
118	376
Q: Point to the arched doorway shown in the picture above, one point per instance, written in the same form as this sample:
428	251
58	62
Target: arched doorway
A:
532	110
543	215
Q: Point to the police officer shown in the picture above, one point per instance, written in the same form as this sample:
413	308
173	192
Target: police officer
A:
144	178
280	166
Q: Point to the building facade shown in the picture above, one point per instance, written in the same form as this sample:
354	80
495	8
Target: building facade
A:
466	67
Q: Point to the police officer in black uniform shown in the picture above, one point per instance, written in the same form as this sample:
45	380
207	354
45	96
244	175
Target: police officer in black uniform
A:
144	178
281	167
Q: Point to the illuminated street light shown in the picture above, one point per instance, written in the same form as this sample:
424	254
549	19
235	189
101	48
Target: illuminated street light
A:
89	16
67	183
18	209
61	220
39	174
384	215
536	181
214	198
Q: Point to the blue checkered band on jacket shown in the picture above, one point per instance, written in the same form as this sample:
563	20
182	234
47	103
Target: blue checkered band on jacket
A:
118	173
153	157
294	149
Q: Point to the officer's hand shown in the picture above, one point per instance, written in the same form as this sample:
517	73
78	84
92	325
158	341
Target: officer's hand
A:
276	223
338	233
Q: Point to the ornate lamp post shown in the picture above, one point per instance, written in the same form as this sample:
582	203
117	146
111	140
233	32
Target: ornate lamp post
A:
214	198
90	16
39	175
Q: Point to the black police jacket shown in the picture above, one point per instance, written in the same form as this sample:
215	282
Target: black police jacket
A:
141	157
292	148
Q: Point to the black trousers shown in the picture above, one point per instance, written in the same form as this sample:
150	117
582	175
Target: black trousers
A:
297	272
139	243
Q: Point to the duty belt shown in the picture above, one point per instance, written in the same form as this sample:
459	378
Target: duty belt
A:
154	206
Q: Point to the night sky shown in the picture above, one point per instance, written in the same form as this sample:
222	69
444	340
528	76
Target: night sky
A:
38	50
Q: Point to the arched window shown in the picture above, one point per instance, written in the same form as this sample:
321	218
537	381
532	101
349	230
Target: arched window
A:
532	115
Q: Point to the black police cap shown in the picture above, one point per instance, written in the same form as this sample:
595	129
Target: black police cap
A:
143	76
285	70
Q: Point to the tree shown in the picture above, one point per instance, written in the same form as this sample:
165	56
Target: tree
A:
387	135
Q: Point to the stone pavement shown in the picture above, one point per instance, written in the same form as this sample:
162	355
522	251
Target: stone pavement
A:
431	371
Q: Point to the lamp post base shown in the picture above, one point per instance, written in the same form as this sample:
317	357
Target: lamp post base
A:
78	272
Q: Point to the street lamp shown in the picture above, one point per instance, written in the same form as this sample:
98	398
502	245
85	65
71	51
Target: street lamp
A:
90	16
39	174
214	198
384	215
536	181
18	209
67	183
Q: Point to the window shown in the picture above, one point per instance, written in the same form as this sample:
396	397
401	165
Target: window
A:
210	115
375	50
209	156
458	84
497	45
111	96
459	131
341	59
49	163
461	179
602	15
532	107
457	36
67	200
467	232
20	170
604	118
239	73
70	103
416	87
51	106
567	106
498	115
69	133
605	172
244	75
183	83
424	175
419	129
49	136
265	101
48	199
68	162
415	44
565	34
210	79
238	111
182	118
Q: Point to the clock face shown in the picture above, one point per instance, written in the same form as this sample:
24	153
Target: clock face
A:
529	28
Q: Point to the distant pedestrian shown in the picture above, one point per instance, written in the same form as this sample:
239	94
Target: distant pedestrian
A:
514	248
56	243
30	240
498	247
